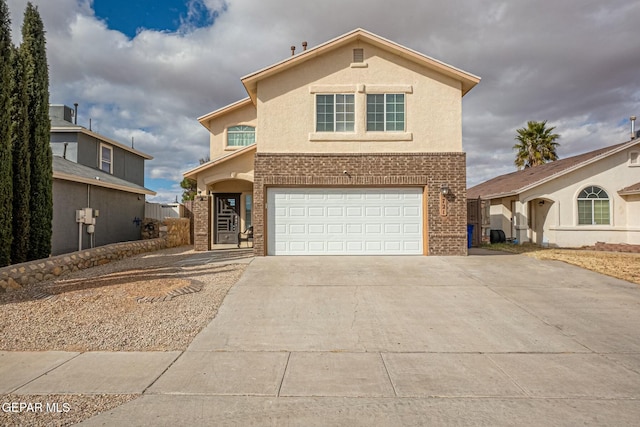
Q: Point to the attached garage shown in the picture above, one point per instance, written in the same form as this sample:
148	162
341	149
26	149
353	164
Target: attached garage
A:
345	221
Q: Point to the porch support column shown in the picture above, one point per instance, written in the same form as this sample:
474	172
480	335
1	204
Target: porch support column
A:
522	221
202	223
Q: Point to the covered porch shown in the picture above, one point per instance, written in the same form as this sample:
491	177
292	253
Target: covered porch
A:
223	208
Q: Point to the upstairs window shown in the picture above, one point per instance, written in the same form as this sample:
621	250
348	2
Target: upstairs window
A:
385	112
106	158
335	113
593	207
634	158
241	136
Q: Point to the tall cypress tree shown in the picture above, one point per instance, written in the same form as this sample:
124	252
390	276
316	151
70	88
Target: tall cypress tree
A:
6	131
21	163
34	55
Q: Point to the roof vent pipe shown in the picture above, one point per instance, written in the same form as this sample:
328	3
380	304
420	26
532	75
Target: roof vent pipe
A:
633	127
293	50
75	113
304	46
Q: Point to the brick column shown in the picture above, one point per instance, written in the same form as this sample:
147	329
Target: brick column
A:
202	223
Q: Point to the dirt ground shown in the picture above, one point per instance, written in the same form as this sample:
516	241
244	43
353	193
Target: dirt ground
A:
621	265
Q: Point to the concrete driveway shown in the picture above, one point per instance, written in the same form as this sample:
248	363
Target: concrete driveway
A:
480	340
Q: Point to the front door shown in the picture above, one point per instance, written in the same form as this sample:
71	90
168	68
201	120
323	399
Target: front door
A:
227	218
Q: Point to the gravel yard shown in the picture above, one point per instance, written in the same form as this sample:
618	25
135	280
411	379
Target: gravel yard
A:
72	408
621	265
149	302
146	303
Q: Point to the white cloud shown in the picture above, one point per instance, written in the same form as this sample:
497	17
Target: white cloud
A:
573	63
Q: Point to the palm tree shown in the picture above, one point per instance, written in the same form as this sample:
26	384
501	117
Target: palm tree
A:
537	145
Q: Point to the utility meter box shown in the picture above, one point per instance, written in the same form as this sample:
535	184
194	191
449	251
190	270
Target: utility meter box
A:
85	216
88	215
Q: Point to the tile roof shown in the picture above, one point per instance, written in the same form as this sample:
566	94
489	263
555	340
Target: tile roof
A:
68	170
516	182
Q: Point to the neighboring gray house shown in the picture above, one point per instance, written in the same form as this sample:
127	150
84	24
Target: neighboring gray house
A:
93	171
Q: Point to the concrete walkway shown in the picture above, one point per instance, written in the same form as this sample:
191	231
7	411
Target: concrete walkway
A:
479	340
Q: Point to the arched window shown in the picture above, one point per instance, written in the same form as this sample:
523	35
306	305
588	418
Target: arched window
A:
593	206
241	136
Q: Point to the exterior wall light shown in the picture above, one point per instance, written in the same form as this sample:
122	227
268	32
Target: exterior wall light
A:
444	189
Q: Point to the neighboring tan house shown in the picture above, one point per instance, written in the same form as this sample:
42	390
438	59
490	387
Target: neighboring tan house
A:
351	147
92	171
572	202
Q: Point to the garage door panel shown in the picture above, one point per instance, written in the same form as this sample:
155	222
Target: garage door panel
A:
373	211
410	228
355	246
335	229
317	246
354	211
354	228
338	247
392	228
412	246
373	228
411	211
297	229
391	245
316	221
316	228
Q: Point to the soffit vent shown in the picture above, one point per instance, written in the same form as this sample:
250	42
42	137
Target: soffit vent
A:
358	55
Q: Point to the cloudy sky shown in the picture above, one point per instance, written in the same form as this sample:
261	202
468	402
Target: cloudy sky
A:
148	69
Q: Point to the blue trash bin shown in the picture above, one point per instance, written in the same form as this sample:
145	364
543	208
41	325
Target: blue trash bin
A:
469	235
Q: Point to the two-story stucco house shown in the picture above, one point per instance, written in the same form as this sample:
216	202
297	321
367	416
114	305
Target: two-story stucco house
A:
96	172
351	147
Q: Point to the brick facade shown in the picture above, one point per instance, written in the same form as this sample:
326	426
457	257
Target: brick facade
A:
447	235
202	223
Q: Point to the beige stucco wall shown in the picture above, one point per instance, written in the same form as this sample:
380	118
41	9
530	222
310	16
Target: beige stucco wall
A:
239	168
286	105
556	221
243	115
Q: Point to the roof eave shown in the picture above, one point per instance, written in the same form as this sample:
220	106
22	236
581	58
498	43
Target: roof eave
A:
98	183
215	162
224	110
629	192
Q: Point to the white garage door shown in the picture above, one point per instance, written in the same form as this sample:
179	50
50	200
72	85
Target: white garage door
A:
353	221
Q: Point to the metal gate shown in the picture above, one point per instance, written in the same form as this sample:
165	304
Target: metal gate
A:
227	218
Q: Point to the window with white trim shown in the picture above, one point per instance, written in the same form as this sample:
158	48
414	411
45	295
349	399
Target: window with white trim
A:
634	158
593	207
241	136
335	112
385	112
106	158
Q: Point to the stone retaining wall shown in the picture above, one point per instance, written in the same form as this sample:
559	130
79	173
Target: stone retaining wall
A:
176	231
27	273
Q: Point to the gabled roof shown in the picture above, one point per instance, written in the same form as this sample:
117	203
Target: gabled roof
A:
218	160
468	80
71	171
515	183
